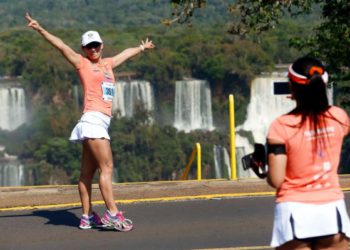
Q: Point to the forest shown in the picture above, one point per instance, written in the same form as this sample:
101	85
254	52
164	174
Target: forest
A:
141	151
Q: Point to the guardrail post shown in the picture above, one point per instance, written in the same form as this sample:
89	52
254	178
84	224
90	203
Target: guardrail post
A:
199	162
196	150
232	138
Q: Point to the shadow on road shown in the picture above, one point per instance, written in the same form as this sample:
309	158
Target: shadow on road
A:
60	217
65	217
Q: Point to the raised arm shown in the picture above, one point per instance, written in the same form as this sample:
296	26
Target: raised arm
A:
67	52
130	52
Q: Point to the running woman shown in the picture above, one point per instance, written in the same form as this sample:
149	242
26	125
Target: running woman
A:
304	149
97	79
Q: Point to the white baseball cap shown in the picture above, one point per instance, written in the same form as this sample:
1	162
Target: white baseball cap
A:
89	37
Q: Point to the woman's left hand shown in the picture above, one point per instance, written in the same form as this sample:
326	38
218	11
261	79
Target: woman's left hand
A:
34	24
148	44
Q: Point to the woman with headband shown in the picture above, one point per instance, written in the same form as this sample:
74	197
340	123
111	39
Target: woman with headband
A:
304	149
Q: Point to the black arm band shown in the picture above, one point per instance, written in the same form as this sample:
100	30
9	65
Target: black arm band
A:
277	149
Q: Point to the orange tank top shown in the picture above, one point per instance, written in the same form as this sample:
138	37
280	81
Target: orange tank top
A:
312	165
98	84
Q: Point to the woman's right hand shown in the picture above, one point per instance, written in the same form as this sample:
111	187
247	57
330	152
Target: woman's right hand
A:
31	22
68	53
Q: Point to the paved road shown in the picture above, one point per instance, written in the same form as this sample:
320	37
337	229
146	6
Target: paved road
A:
196	224
166	225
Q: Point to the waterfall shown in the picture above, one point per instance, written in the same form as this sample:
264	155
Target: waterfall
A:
243	147
193	108
12	107
262	109
241	173
11	174
222	165
221	162
76	95
129	94
264	106
330	94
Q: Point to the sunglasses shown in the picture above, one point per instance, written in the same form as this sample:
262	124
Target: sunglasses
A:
92	45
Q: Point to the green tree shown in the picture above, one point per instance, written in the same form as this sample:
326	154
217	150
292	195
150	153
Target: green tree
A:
61	154
330	39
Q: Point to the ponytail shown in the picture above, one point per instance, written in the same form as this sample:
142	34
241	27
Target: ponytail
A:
308	84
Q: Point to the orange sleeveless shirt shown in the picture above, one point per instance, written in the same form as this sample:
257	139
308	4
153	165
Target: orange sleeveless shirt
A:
98	83
311	171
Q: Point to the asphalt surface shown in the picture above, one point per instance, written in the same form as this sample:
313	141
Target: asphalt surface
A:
195	224
234	223
167	215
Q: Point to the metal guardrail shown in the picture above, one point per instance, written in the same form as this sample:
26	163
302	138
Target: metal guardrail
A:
196	151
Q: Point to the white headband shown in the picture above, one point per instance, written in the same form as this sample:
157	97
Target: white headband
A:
301	79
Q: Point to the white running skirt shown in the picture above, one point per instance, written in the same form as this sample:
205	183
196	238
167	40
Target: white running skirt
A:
92	125
295	220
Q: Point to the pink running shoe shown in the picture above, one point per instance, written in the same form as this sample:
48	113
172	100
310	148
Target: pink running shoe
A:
118	222
89	222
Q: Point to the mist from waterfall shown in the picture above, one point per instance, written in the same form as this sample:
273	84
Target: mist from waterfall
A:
193	108
12	107
129	94
11	174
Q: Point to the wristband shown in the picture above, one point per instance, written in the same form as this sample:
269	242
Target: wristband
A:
142	47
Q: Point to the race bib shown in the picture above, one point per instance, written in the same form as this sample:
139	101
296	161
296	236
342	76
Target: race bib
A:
108	91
